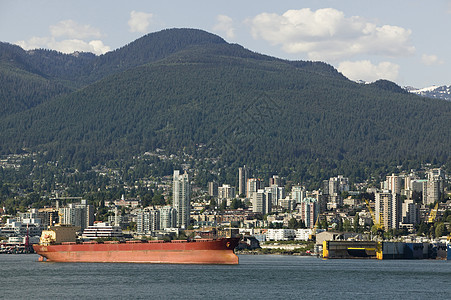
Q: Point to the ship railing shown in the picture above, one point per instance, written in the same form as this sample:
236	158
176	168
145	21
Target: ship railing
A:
203	240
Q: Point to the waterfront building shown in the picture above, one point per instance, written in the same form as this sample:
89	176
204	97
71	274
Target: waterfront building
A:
303	234
181	198
280	234
20	228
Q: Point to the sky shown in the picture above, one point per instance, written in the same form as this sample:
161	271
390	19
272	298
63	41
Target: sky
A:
405	41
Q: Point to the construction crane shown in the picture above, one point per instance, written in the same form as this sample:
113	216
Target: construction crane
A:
379	225
312	236
433	214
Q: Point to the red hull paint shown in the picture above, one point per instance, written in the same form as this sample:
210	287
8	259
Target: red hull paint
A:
218	251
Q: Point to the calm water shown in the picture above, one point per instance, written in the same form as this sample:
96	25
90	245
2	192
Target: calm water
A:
267	277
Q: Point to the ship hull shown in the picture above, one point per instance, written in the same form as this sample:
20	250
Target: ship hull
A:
220	251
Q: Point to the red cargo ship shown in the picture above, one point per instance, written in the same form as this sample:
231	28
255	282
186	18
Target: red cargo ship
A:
201	251
197	251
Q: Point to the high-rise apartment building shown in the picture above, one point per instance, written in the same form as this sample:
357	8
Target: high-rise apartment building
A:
148	221
243	176
213	189
431	192
333	188
275	180
309	210
410	213
81	214
261	201
298	193
253	185
181	198
388	209
168	217
277	192
394	183
434	186
226	192
336	185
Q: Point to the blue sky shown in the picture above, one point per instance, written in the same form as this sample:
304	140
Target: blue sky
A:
406	41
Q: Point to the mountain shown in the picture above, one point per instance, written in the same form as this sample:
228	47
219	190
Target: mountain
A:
32	77
439	92
23	85
189	91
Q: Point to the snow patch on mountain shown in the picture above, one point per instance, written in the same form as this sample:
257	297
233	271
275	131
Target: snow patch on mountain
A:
439	92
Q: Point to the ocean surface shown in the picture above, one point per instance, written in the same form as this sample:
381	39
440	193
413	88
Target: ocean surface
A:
256	277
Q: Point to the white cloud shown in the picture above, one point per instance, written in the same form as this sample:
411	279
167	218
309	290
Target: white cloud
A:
365	70
73	30
34	43
326	34
139	21
225	24
65	46
68	36
70	46
430	60
99	47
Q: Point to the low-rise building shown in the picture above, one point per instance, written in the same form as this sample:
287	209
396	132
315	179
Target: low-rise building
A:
303	234
280	234
15	228
102	230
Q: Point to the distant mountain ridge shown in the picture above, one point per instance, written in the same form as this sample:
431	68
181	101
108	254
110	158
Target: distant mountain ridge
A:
87	67
439	92
181	88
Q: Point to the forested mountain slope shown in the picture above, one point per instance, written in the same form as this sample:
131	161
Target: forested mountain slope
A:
195	93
